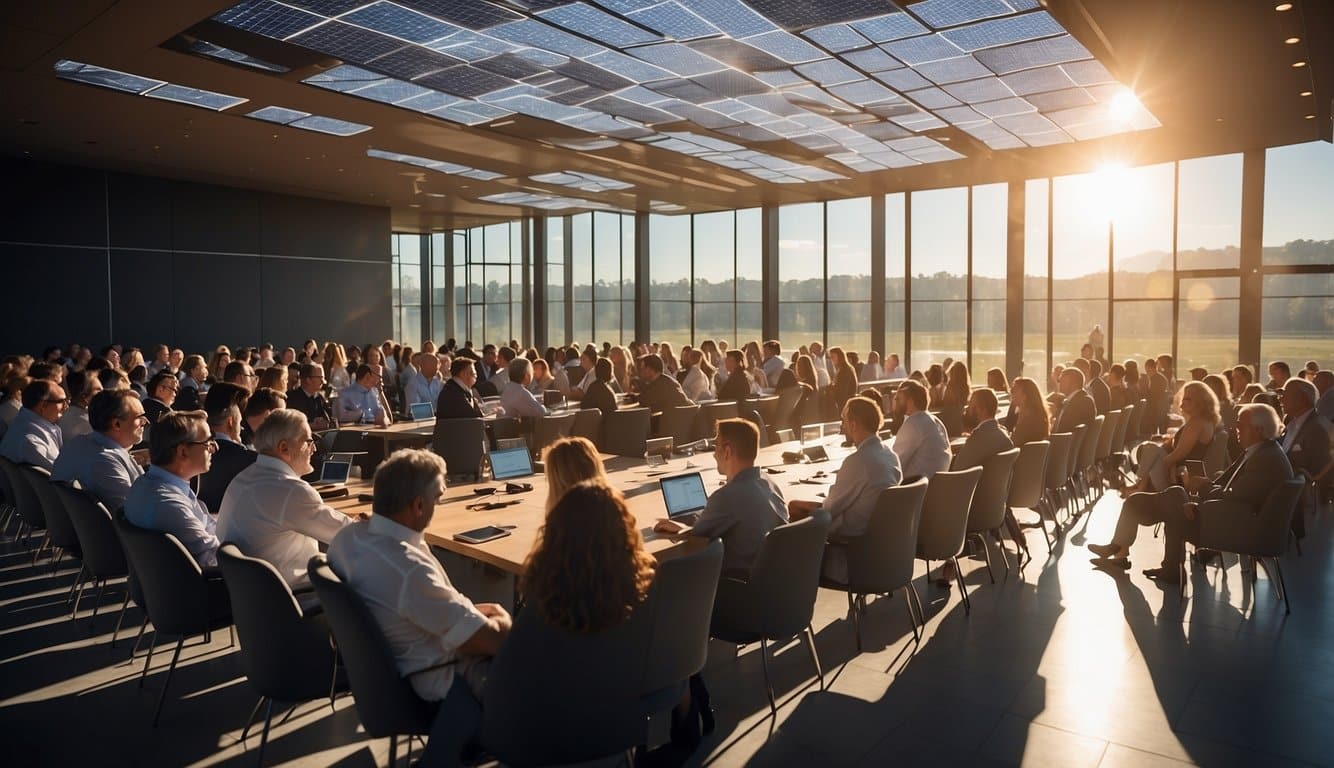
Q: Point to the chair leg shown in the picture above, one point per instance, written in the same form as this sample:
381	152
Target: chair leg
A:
167	682
149	661
393	751
986	553
97	603
917	601
264	737
249	721
815	656
1283	587
139	637
768	684
1004	556
856	619
125	604
963	588
1042	522
78	596
83	568
912	617
333	684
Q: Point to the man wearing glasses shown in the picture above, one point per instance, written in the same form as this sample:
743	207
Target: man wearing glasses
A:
161	500
269	511
162	390
240	372
101	460
34	436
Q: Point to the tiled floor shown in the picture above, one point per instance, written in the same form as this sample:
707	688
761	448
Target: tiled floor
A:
1065	665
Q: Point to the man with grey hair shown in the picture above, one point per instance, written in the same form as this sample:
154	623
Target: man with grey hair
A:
1240	490
441	641
269	511
1324	384
161	499
1305	439
517	400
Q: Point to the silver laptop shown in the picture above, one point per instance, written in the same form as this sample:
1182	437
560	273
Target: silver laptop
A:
421	411
684	495
333	473
509	463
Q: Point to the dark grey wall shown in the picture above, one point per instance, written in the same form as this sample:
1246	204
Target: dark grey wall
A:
94	257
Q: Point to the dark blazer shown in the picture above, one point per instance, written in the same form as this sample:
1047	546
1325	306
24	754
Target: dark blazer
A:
1078	409
985	441
1120	397
313	406
599	396
1102	395
455	402
1310	451
154	409
737	386
662	393
843	387
227	463
1249	483
187	399
1030	428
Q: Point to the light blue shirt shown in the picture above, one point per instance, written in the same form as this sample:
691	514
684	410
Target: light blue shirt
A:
102	467
161	501
33	440
356	402
423	390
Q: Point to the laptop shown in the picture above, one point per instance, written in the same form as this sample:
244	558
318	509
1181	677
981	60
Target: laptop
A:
421	411
684	496
509	463
333	473
812	433
553	398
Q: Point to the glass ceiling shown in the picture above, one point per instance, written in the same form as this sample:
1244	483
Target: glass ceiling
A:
858	82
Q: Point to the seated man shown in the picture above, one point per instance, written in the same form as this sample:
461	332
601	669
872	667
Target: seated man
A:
1078	407
308	397
360	401
457	398
82	386
518	401
656	391
240	372
441	641
34	436
987	438
743	511
258	406
922	445
1241	489
161	395
269	511
1305	439
599	394
223	405
423	386
101	460
867	471
161	499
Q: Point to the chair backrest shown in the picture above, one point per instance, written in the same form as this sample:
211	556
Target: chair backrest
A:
1215	456
992	495
952	418
25	500
1109	427
785	576
284	656
102	553
625	430
549	429
58	526
788	400
1141	409
680	604
175	596
1118	442
945	513
1058	459
461	442
486	389
710	414
507	428
755	417
1077	436
6	490
1276	518
881	560
1029	473
678	423
386	703
784	435
588	425
767	407
1088	446
343	441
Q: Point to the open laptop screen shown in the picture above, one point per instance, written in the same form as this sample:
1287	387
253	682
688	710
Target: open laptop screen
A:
421	411
683	494
334	471
509	463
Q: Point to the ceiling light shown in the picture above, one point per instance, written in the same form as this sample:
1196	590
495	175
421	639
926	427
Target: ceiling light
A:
1293	40
1304	93
1298	64
1283	7
1310	117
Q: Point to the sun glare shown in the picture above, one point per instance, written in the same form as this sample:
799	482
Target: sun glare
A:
1112	190
1124	106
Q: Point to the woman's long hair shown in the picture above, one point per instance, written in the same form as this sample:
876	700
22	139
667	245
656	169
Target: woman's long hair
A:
568	462
958	386
588	570
1034	407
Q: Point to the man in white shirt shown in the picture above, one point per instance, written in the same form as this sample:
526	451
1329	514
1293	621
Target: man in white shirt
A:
867	471
101	460
821	363
83	386
773	362
265	357
161	499
517	400
922	445
33	437
360	401
269	511
893	369
438	636
159	363
424	385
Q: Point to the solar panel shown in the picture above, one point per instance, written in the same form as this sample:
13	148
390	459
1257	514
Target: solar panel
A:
774	104
780	78
872	60
960	115
731	16
893	26
390	91
347	42
737	54
1026	124
864	92
685	90
1038	53
236	57
828	72
800	14
902	79
1038	80
473	14
917	50
836	37
625	108
1014	29
730	83
472	46
986	89
411	62
673	20
786	46
327	7
1090	72
599	25
343	78
705	118
578	96
883	131
948	13
267	18
107	78
589	182
545	37
594	76
678	58
330	125
280	115
195	97
429	101
629	66
467	81
1003	107
1054	100
750	133
1048	139
400	22
952	70
509	65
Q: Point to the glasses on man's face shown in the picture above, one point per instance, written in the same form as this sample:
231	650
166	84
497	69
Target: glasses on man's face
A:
56	401
209	445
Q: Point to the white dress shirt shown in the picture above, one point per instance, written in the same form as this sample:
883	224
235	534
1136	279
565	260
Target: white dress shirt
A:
271	513
865	473
518	401
1292	429
423	617
897	373
773	368
104	468
339	378
74	423
32	439
922	445
696	385
162	501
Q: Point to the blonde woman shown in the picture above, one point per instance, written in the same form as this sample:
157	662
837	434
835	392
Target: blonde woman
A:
698	383
1157	465
132	359
669	364
568	462
335	366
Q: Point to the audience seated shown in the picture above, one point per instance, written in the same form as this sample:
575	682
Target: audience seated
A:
82	388
517	400
240	372
599	394
361	402
1099	389
100	460
921	444
1119	396
269	511
1077	407
223	406
34	436
1324	384
441	641
457	398
13	401
987	437
843	379
425	383
1305	437
258	406
308	397
161	499
1029	414
656	391
568	462
1159	465
162	390
697	384
193	375
737	384
773	362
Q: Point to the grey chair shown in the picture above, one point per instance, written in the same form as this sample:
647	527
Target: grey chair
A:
506	429
549	429
1058	464
778	599
1026	488
1103	451
678	423
27	506
1111	464
680	606
588	425
940	536
786	409
386	703
1262	535
103	557
625	431
285	653
754	417
986	514
710	414
179	598
767	407
1088	446
60	533
461	442
881	559
1068	487
785	435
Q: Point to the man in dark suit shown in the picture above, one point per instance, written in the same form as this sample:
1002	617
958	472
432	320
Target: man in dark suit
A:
225	403
309	398
1078	407
599	394
656	391
161	396
457	398
1116	386
1098	389
1240	490
1305	439
987	438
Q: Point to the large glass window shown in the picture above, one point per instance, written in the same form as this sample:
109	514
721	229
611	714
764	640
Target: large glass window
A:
848	274
406	289
1081	210
1209	212
1035	362
557	309
1208	321
990	244
439	307
1140	202
896	264
670	279
1297	310
801	271
939	276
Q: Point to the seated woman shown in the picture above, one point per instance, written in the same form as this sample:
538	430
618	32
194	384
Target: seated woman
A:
568	462
1031	415
698	382
1157	465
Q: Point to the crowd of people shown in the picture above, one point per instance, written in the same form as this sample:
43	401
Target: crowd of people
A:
219	451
